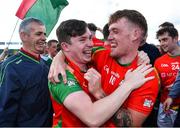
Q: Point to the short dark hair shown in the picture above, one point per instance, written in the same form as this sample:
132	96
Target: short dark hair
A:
106	31
132	15
170	30
166	24
92	27
51	41
70	28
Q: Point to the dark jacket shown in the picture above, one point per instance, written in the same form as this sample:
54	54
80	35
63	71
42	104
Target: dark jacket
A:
24	94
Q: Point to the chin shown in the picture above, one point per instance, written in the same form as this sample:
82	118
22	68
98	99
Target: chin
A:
87	60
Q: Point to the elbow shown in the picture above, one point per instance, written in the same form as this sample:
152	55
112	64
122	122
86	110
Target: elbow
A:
92	122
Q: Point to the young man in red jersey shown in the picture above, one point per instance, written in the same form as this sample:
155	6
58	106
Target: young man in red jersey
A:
75	106
127	30
167	67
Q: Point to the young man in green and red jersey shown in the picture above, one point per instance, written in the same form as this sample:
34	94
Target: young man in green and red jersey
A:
167	67
127	29
75	105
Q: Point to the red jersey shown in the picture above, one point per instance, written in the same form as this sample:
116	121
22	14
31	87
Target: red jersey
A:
75	82
112	73
97	42
167	67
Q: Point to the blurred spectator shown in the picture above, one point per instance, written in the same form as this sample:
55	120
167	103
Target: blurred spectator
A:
106	34
151	50
4	54
97	42
167	66
52	48
166	24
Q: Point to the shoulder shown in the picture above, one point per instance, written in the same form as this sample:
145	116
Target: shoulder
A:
60	90
11	61
161	59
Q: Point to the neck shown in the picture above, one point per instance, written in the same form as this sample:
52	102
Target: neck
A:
175	51
29	51
128	58
83	67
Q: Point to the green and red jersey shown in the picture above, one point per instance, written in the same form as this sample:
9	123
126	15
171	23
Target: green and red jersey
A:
62	117
167	67
141	99
75	82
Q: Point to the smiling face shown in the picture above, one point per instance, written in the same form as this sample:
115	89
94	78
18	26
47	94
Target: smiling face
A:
167	42
80	49
34	39
52	49
121	37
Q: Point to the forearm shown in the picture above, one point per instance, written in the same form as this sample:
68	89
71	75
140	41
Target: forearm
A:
100	111
2	56
60	56
126	117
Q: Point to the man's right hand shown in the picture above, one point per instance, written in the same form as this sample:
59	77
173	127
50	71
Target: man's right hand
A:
137	77
58	66
167	103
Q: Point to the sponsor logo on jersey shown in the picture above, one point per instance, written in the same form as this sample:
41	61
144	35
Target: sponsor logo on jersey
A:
164	65
148	103
71	83
171	74
19	61
106	68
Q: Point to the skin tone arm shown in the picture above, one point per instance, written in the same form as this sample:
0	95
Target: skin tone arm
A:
167	103
97	113
123	117
58	66
3	54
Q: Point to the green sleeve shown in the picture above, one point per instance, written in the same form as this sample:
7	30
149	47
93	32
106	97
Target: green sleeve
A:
60	90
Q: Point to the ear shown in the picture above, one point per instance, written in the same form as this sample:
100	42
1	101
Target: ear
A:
65	46
136	34
176	39
23	36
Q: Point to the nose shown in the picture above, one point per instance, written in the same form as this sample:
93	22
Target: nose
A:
90	43
43	37
110	37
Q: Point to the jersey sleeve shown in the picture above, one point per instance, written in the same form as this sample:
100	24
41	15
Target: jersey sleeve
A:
144	98
60	91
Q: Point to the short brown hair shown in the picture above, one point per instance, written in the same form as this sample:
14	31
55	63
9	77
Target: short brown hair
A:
132	15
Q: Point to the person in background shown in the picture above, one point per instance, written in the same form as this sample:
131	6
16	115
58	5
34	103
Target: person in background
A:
166	24
106	34
52	48
93	28
174	94
24	94
127	29
167	66
151	50
73	104
4	54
